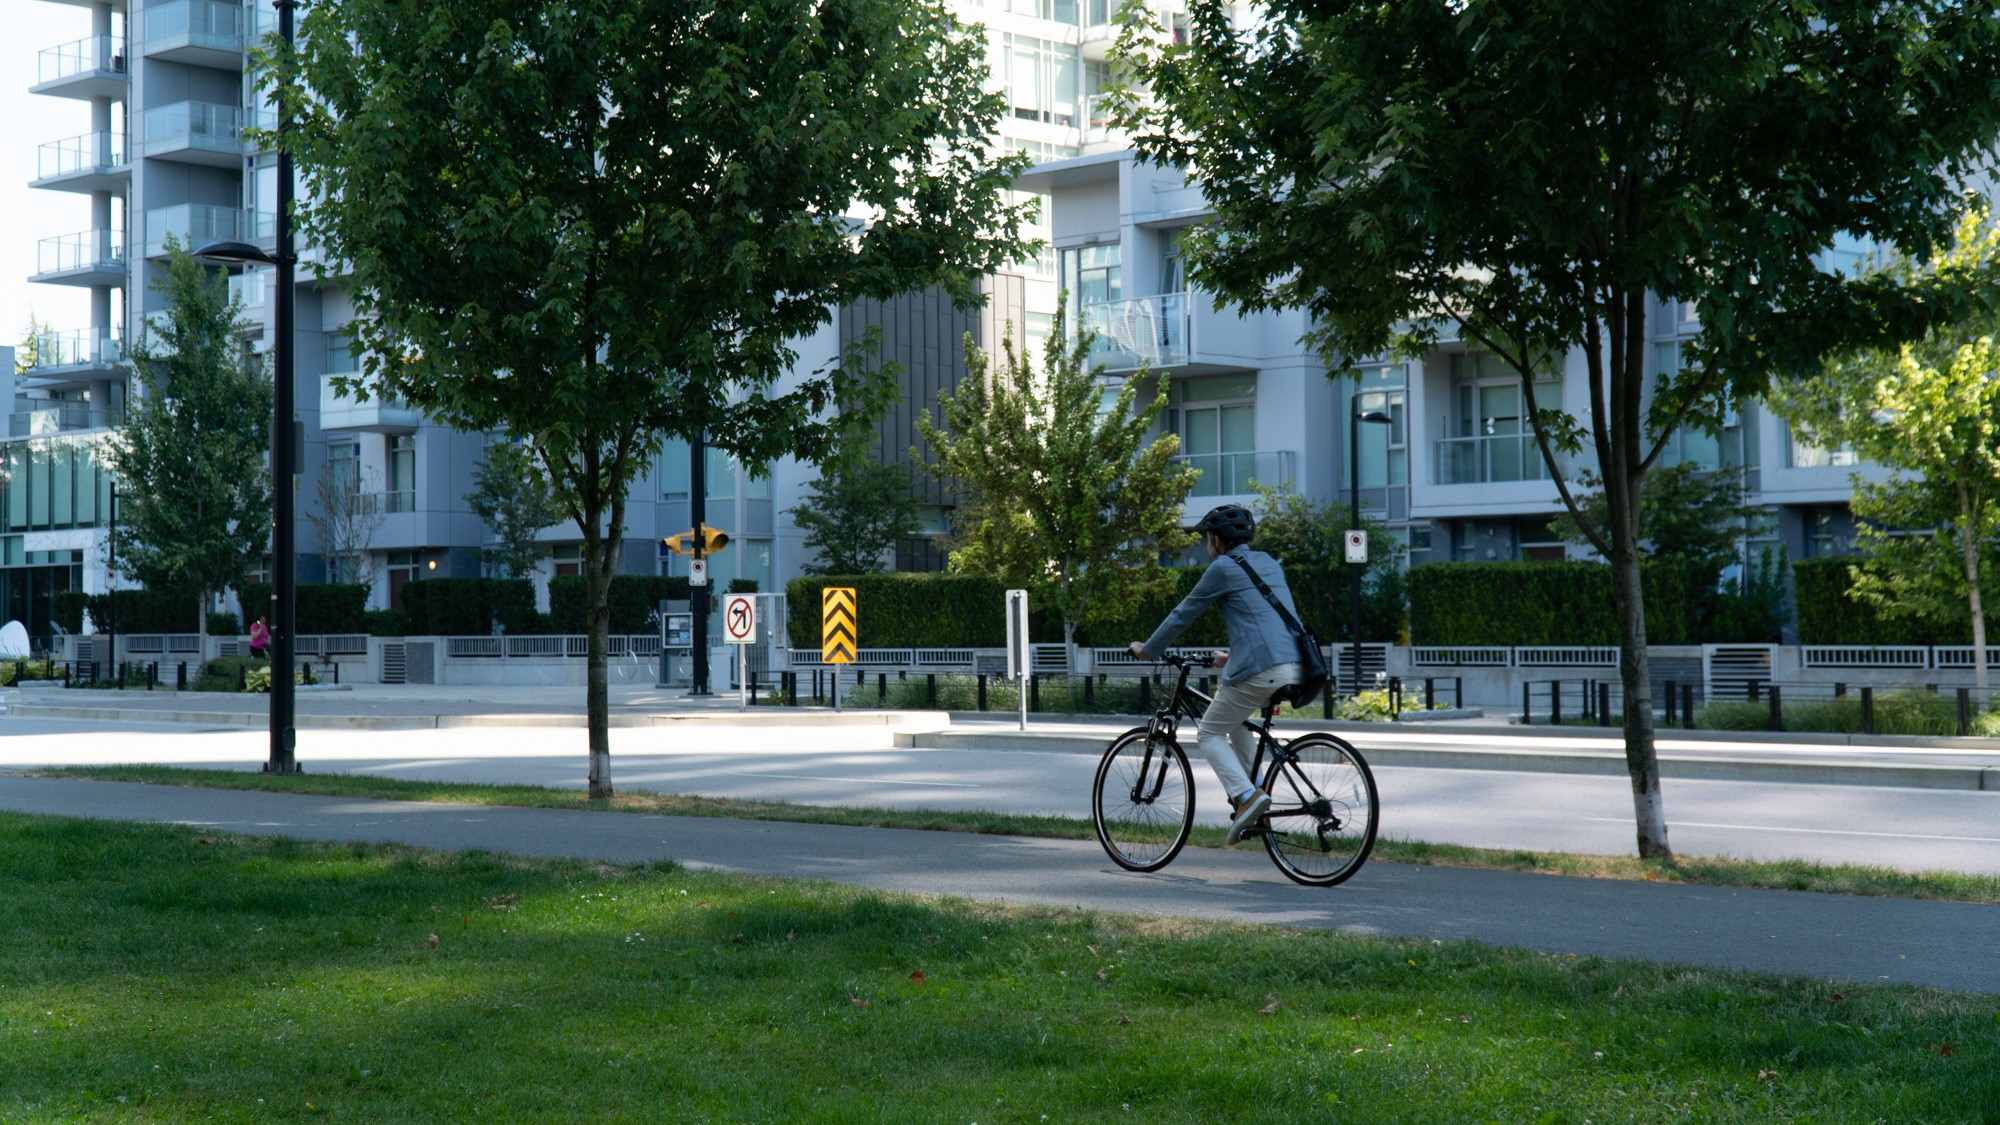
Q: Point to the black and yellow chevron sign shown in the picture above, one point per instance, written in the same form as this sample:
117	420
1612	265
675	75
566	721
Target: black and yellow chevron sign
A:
837	628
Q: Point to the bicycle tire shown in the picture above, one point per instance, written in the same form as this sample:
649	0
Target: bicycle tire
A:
1319	790
1151	841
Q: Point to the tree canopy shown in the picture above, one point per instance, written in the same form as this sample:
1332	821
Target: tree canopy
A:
597	223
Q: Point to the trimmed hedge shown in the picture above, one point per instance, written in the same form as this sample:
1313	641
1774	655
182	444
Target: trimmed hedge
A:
70	605
466	607
320	607
1541	603
635	602
385	623
141	611
1827	616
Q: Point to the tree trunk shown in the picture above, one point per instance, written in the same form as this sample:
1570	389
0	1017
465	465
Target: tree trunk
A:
1069	654
1649	810
1970	537
597	591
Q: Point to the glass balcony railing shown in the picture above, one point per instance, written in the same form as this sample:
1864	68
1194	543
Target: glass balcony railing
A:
60	418
85	153
85	250
205	21
250	288
1488	459
1096	116
386	503
205	125
1231	474
96	54
50	351
1141	332
196	223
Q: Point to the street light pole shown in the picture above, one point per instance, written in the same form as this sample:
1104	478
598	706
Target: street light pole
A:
1356	416
283	757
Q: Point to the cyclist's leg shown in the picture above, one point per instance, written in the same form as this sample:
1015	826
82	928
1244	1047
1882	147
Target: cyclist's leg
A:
1266	684
1220	725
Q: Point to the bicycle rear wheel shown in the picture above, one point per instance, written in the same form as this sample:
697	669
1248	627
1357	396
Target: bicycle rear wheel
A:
1143	801
1324	811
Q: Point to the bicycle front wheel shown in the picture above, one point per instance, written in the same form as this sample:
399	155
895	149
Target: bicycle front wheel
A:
1324	811
1143	801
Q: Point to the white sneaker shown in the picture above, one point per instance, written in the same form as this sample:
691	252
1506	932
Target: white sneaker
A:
1248	813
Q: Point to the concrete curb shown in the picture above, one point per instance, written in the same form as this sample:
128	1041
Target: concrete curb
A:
1661	733
899	720
1544	761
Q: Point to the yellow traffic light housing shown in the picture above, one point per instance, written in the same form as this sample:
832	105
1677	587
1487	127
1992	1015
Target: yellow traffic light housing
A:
712	539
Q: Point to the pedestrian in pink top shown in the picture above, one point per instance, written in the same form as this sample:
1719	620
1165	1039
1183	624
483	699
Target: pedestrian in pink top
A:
260	638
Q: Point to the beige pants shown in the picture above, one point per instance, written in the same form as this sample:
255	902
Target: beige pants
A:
1228	744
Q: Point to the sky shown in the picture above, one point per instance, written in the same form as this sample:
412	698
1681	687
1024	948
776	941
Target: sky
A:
26	121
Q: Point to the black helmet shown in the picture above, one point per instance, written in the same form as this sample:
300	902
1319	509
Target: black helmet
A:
1233	522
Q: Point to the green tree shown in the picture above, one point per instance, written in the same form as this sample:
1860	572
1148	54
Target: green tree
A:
29	351
1067	489
512	494
194	495
1532	174
857	511
1310	541
598	224
1929	406
1697	516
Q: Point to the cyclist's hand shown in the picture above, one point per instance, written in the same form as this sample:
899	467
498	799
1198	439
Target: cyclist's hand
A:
1217	660
1137	648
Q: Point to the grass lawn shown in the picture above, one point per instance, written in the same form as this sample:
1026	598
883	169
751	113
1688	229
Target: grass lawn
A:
161	973
1797	875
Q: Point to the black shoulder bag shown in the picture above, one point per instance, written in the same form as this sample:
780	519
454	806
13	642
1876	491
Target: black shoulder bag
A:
1312	662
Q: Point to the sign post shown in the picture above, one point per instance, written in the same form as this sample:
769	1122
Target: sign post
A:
838	631
1020	658
739	628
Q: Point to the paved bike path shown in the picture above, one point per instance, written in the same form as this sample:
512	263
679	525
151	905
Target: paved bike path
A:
1949	945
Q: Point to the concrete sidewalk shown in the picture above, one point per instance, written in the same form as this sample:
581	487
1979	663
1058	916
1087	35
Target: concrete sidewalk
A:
1947	945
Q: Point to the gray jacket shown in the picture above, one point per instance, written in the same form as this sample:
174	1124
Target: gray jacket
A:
1258	639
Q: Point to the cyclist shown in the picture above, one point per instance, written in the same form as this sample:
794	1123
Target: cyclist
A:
1262	658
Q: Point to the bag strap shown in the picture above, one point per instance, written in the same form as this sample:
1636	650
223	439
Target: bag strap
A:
1291	623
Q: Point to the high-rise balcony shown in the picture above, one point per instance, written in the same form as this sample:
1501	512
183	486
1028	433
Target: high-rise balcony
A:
60	418
90	162
378	415
65	360
1097	22
1488	459
91	257
198	32
1141	332
196	133
92	67
196	223
1232	474
252	290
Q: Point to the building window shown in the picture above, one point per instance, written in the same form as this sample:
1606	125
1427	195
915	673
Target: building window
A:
343	465
674	469
1828	534
1805	455
568	559
402	459
1062	11
1041	79
340	354
1218	428
1384	449
1538	541
720	469
402	570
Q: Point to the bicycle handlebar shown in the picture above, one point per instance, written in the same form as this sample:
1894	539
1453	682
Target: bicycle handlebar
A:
1206	660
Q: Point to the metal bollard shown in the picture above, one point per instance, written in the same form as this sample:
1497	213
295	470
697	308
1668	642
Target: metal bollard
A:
930	689
1839	690
1867	709
1145	694
1555	703
1034	691
1604	702
1089	693
240	681
1777	708
1395	696
1672	703
1964	712
1756	687
1458	692
1687	706
753	689
982	692
1527	704
881	688
1430	694
1326	702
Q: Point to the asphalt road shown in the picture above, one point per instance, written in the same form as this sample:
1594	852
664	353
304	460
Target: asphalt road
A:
1907	828
1840	937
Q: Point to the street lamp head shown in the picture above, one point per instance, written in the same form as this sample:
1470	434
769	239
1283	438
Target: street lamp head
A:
232	253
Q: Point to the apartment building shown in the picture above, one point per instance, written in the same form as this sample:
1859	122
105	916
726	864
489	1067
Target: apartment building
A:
1455	472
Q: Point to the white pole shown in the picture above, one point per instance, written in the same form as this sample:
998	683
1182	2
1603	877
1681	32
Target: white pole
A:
743	677
1022	684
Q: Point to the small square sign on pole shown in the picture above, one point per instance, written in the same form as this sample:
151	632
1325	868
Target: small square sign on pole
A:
1020	658
1357	546
697	572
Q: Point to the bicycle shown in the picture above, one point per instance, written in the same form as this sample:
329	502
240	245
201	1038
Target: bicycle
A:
1324	809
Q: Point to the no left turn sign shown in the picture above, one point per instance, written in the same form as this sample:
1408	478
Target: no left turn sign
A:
739	619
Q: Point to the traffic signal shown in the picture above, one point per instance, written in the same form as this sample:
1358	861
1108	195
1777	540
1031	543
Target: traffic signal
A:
713	539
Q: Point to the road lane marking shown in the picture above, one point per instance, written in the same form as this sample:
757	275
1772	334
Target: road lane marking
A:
1671	823
873	780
